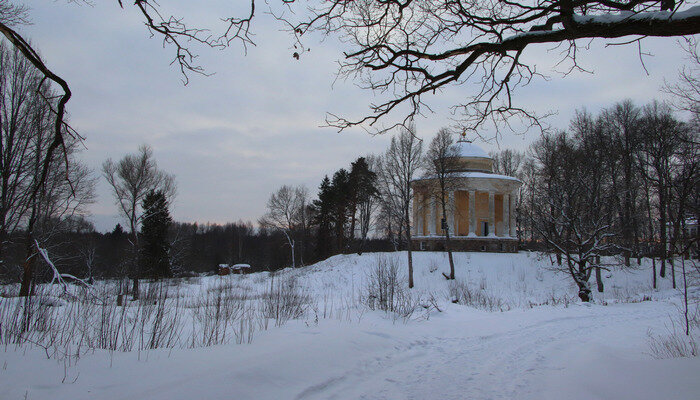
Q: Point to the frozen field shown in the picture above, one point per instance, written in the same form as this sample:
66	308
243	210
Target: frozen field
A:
522	335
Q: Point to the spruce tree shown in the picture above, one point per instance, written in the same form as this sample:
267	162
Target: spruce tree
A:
154	258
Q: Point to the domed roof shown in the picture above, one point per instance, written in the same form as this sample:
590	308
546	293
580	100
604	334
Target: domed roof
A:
470	150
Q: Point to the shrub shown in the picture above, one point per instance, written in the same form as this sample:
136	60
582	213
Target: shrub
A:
461	293
386	290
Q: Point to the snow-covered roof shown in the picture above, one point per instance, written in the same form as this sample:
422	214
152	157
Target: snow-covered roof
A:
470	150
237	266
472	174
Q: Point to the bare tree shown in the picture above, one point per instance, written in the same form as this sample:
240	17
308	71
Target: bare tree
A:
620	130
131	179
400	164
88	253
412	49
507	162
526	199
390	219
286	211
687	89
685	181
39	204
569	213
659	141
18	103
303	219
441	164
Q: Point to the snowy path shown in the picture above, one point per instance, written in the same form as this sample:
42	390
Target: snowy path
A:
579	352
511	362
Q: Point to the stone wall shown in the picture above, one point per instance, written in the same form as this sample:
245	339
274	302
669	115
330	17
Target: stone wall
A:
472	244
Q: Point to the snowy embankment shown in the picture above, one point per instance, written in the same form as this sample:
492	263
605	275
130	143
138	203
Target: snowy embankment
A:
342	350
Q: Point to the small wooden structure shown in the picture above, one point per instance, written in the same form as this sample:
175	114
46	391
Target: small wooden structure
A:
226	269
240	268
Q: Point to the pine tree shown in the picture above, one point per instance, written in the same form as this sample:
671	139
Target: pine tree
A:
362	189
154	258
322	211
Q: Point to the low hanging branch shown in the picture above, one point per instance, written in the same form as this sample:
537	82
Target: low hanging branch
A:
409	49
59	125
57	276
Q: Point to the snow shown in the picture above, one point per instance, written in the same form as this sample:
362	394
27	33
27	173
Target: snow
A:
569	350
613	18
470	150
692	12
472	174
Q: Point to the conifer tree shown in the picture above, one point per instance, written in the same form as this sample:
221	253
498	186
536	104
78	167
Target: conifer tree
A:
154	252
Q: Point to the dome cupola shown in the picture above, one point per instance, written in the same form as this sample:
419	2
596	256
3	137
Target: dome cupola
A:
470	157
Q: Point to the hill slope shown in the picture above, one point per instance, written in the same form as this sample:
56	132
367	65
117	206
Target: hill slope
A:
568	350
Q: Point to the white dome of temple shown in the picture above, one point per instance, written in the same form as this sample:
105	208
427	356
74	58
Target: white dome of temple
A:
470	157
470	150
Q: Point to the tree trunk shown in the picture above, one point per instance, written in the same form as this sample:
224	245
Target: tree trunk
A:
135	288
673	271
448	246
27	275
410	251
584	290
301	249
28	265
685	300
662	230
363	242
581	278
294	265
584	293
599	279
653	270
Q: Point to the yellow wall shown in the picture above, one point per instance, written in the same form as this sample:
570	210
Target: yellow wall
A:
478	164
462	212
498	212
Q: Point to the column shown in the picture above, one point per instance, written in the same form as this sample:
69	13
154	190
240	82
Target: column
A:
492	214
506	215
421	213
431	220
472	213
512	216
414	214
451	213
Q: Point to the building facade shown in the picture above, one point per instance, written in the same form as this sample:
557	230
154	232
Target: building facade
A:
480	206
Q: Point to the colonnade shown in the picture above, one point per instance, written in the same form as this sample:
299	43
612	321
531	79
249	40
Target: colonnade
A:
428	211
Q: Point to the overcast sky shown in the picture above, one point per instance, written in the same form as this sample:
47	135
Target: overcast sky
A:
234	137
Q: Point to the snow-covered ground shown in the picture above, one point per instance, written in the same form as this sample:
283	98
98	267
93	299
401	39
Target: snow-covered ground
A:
544	344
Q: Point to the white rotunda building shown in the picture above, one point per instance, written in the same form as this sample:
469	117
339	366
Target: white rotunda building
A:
480	206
